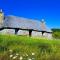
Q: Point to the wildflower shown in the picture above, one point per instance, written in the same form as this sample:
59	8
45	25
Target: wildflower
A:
10	50
14	57
17	54
11	55
26	54
21	58
33	53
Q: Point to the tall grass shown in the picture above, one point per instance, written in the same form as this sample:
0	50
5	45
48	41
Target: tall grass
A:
43	49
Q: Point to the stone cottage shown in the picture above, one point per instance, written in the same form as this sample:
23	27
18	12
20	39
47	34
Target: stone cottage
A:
23	26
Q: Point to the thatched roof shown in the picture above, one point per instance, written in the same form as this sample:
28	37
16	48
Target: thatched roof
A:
22	23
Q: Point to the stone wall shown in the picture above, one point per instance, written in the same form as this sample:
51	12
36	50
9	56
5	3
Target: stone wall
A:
7	31
39	34
35	33
23	32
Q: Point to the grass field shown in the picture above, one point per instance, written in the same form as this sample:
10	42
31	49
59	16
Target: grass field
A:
14	47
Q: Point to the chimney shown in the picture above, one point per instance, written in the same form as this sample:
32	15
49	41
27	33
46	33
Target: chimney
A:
1	18
43	25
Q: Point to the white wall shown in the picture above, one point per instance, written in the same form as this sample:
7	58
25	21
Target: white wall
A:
47	35
23	32
7	31
35	33
39	34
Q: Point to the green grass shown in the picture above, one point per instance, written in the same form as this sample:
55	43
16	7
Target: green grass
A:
44	49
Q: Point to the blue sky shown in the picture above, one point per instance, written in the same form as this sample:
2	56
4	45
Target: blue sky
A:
34	9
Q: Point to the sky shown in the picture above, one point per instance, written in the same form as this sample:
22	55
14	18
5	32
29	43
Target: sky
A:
49	10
